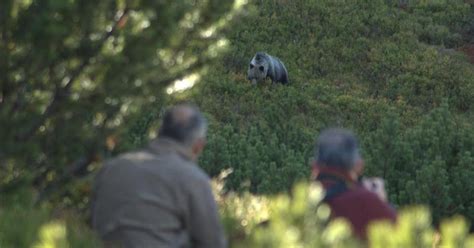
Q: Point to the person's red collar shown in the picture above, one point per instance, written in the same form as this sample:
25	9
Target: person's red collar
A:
336	172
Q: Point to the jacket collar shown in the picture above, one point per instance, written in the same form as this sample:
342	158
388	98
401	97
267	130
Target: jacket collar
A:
341	174
166	145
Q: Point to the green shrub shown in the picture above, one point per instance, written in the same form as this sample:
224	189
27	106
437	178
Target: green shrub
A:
300	220
428	163
24	225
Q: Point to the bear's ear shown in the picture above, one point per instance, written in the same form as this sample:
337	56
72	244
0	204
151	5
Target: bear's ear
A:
251	66
261	68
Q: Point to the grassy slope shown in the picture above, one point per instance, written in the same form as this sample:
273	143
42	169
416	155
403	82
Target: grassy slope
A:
358	64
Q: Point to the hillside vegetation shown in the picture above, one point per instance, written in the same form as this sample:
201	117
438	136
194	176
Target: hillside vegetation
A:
366	65
392	71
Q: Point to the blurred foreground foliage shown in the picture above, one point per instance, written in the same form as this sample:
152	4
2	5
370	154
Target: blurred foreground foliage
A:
285	220
24	225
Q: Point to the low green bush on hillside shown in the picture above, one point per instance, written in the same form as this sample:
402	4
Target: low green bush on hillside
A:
364	65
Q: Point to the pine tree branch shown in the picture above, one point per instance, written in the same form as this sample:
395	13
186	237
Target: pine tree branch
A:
194	67
62	93
78	167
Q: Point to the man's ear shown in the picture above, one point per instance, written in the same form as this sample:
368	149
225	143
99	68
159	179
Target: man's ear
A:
198	147
359	167
314	169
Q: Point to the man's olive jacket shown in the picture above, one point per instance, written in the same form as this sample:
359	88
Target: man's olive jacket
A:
155	197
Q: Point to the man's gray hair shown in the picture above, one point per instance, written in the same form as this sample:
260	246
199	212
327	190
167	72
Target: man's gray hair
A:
337	147
183	123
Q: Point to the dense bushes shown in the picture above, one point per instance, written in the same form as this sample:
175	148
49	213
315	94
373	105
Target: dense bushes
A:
361	42
426	163
408	100
364	65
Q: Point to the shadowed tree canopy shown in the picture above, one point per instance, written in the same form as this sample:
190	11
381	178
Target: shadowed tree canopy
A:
72	71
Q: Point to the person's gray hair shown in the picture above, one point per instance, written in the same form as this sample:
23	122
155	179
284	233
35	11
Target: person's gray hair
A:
337	147
183	123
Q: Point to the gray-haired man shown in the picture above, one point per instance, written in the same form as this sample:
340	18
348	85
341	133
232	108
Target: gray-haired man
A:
338	166
158	196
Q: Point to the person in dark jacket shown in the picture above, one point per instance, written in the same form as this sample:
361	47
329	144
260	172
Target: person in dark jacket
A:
158	196
338	166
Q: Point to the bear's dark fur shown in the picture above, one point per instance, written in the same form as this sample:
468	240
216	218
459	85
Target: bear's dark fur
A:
264	65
